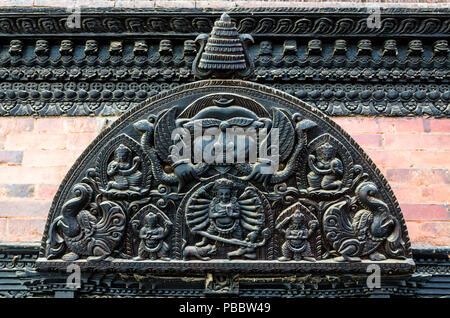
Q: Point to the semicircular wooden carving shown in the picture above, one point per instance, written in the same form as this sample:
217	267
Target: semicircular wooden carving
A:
137	198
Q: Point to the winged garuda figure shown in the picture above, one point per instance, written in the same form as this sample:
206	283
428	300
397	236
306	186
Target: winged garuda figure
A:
166	137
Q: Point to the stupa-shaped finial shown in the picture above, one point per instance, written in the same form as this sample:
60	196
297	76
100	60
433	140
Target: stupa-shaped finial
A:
223	53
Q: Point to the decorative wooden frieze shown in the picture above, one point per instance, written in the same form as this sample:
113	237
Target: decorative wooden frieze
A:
224	175
326	57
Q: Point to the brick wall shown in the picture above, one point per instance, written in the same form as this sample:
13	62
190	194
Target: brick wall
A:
413	153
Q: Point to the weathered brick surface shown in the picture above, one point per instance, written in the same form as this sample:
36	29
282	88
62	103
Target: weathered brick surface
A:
24	229
11	157
413	153
16	191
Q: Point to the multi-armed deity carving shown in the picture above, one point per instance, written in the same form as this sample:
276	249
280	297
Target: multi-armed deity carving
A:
225	172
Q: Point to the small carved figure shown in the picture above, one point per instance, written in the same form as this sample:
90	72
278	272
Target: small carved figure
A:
265	48
124	170
91	47
115	48
326	170
66	47
246	251
140	48
364	47
42	47
390	48
189	48
15	47
152	235
415	48
315	47
440	47
340	47
165	47
290	47
203	253
297	234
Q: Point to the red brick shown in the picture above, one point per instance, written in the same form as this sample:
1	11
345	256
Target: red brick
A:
417	141
50	158
436	229
24	207
412	125
421	194
418	176
80	141
33	141
16	191
429	233
425	211
50	125
25	229
80	124
360	125
10	157
440	125
46	191
16	124
3	230
369	141
32	175
410	158
436	194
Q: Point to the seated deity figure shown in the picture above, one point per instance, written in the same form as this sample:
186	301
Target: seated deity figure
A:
152	235
224	213
326	170
124	170
296	245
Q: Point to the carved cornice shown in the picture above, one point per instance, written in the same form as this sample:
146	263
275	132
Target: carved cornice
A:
324	56
261	22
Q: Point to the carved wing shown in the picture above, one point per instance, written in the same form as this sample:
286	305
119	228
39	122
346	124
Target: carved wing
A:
339	230
197	214
110	227
286	134
163	133
252	214
361	222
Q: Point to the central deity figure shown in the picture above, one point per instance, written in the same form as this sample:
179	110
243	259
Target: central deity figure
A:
218	214
224	212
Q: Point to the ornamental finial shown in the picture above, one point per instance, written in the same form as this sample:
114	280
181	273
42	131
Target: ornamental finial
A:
224	52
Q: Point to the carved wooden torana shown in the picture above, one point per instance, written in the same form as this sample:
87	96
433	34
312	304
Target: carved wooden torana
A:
138	200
